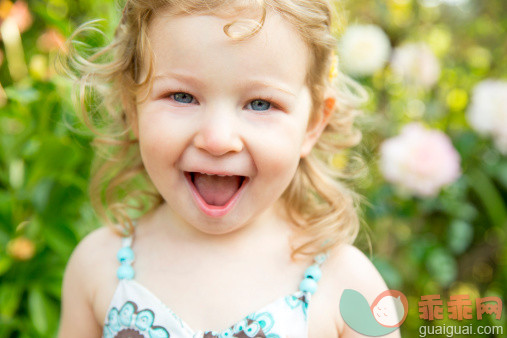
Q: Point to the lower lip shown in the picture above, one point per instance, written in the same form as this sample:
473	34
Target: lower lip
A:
215	210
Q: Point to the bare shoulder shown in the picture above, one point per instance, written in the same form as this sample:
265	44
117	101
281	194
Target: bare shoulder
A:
349	268
352	269
90	269
94	254
95	245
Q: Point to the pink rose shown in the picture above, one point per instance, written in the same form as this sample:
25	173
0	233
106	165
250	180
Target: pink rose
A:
50	40
21	15
420	160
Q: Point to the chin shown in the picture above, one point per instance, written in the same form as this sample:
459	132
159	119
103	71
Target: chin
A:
217	227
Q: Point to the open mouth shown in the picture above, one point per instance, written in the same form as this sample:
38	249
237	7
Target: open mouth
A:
215	194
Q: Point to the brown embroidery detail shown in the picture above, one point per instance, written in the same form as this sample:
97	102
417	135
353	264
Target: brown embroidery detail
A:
241	334
128	333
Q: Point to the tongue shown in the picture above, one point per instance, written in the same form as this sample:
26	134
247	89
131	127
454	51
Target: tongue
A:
216	190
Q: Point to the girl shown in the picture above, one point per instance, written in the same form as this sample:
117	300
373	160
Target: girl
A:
219	104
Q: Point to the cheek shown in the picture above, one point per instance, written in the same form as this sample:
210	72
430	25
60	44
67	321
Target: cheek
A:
158	143
280	153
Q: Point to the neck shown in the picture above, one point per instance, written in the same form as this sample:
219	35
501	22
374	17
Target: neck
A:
271	224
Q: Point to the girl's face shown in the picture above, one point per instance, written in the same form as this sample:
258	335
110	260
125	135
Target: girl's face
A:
225	125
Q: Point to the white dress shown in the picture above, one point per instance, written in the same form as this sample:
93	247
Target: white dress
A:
135	312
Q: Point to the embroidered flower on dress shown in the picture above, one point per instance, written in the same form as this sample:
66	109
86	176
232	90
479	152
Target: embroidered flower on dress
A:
256	325
128	322
295	302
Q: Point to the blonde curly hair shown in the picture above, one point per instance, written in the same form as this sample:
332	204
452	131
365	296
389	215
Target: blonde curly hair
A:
318	199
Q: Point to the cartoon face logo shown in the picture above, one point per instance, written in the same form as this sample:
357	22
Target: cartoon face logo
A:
390	308
385	315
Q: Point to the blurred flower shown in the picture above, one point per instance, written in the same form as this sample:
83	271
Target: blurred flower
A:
339	160
21	15
401	12
5	8
439	38
416	63
50	40
39	67
364	49
419	160
13	49
21	248
457	99
487	112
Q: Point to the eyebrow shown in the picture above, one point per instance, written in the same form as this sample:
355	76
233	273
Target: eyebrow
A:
194	80
178	76
259	83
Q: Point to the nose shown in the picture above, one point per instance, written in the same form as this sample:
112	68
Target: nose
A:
218	133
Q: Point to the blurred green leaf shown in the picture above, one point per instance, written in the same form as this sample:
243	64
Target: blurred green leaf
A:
41	193
60	238
490	197
5	264
391	276
37	309
442	266
465	143
10	298
459	236
501	173
22	95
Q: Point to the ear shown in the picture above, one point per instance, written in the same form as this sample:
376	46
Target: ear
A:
316	127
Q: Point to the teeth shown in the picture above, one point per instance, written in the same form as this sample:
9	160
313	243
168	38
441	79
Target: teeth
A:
215	175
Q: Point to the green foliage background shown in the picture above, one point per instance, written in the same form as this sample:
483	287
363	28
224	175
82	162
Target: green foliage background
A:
451	244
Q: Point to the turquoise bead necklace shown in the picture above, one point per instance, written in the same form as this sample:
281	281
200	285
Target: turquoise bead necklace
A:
312	275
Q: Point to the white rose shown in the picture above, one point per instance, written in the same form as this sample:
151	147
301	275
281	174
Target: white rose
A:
419	160
487	112
364	49
416	63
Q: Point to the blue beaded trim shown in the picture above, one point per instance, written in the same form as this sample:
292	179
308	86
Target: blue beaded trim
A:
312	275
126	257
313	272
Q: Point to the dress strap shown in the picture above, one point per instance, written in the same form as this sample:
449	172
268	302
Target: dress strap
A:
126	257
320	258
126	241
313	274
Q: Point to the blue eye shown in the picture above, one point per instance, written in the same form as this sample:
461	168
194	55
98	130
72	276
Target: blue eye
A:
183	97
260	105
